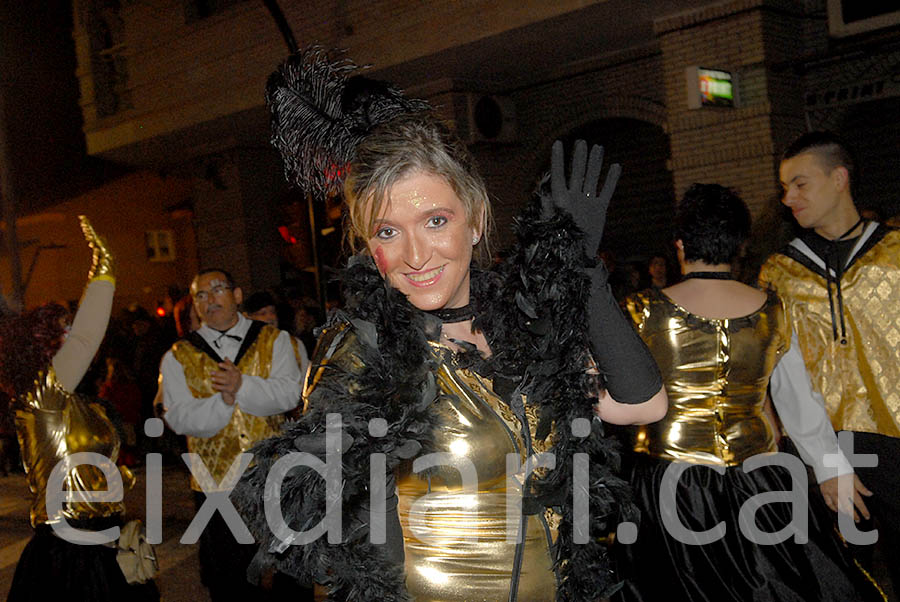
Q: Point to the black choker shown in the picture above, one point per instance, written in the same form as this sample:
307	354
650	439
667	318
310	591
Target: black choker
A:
454	314
847	233
709	275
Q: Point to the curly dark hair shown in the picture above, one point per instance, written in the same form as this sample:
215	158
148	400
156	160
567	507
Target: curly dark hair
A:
712	221
27	344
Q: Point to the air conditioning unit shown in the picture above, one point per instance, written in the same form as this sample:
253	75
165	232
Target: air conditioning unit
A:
484	118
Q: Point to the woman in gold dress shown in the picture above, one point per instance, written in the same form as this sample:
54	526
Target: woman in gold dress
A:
42	361
717	343
444	379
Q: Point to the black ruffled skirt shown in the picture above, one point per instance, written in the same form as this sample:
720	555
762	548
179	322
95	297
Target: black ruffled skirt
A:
733	569
51	568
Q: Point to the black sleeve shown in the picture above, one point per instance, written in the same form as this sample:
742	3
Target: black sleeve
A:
628	369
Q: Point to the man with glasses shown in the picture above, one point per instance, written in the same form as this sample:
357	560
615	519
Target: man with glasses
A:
226	386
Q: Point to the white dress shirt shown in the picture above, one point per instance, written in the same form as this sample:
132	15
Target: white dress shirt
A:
204	417
802	412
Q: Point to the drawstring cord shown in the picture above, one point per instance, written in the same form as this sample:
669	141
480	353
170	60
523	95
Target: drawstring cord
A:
835	256
832	251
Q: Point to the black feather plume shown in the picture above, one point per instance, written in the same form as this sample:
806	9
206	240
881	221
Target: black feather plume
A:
321	109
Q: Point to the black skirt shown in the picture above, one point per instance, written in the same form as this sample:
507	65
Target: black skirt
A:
733	569
51	568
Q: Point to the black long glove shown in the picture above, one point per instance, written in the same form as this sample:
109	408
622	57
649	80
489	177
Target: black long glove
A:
629	371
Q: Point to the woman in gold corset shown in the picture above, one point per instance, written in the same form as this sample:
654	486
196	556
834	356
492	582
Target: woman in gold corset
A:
445	378
42	360
717	342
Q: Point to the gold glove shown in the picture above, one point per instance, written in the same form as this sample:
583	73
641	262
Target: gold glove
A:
102	259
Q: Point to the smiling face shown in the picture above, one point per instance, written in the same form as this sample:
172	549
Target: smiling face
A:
818	198
422	242
216	300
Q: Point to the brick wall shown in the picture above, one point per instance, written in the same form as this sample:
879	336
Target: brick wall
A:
232	194
737	147
625	85
763	42
178	74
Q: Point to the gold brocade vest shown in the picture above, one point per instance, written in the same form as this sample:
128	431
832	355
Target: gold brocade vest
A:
243	430
716	372
52	424
860	381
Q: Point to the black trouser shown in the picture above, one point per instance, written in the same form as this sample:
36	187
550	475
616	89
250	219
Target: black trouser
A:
224	562
884	505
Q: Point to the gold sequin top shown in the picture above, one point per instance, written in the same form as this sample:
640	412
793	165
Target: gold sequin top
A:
860	381
52	424
716	373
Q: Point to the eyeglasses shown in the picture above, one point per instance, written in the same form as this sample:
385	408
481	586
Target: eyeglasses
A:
216	291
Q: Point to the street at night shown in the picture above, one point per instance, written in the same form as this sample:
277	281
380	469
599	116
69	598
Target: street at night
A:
179	573
636	239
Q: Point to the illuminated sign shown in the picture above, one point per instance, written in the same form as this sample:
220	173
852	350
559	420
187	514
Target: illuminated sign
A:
710	88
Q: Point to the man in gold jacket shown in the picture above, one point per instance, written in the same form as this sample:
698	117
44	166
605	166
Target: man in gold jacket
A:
226	386
840	280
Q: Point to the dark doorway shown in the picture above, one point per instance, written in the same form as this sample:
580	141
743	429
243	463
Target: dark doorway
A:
872	130
639	221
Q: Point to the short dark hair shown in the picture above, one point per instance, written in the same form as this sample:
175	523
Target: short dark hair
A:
257	301
225	273
711	221
830	149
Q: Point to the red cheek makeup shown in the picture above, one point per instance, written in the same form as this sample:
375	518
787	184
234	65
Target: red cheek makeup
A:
380	262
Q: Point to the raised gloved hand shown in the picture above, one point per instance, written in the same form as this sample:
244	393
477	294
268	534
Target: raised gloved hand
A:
623	360
102	262
580	197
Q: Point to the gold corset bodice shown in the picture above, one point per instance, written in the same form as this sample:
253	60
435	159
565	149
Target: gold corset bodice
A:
459	542
716	372
52	424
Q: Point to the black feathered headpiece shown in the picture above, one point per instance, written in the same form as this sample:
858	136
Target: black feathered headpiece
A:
321	110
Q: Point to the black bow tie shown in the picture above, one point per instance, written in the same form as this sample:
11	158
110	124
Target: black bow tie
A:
230	336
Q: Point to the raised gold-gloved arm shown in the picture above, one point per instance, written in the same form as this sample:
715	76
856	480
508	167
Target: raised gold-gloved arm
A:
90	321
102	262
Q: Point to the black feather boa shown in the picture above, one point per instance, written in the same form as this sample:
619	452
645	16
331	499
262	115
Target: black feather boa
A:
532	311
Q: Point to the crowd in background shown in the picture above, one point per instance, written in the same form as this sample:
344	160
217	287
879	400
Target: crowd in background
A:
124	374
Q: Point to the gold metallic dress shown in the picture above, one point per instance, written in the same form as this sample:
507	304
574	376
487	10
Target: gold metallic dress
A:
459	544
458	541
53	423
716	372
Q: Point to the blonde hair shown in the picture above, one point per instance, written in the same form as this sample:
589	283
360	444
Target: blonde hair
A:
416	143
